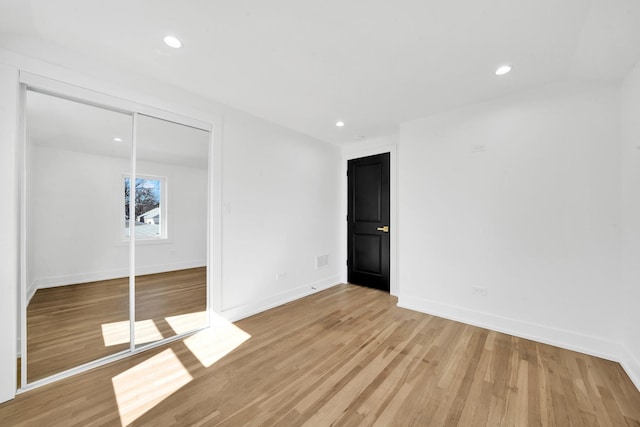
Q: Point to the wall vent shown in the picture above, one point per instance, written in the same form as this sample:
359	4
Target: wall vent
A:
322	261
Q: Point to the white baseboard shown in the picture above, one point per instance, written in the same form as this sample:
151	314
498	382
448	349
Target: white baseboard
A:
631	365
74	279
31	291
594	346
246	310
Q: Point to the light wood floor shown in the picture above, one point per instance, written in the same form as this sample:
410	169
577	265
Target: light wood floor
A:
345	356
65	323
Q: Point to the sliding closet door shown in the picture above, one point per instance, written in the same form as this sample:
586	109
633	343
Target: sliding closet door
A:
76	262
170	225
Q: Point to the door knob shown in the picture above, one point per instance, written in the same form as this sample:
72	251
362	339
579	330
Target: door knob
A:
383	229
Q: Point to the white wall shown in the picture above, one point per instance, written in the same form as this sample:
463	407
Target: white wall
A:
281	192
630	157
75	219
8	230
519	196
281	209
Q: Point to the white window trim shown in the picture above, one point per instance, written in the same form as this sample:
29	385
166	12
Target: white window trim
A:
164	213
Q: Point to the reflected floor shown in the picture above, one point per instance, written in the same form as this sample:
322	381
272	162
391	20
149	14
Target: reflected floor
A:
71	325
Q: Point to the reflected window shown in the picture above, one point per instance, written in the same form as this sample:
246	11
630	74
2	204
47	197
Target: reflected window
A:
149	204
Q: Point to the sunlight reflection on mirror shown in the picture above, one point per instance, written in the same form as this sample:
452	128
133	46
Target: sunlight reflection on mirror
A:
184	323
118	332
212	344
139	389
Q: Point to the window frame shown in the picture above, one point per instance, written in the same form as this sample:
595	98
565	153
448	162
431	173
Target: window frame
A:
165	236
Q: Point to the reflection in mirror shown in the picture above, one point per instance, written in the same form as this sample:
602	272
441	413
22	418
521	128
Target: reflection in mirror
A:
77	267
170	225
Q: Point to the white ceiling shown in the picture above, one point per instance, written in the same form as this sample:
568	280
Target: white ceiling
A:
371	63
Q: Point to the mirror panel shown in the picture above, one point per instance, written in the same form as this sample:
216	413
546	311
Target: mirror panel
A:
77	263
171	221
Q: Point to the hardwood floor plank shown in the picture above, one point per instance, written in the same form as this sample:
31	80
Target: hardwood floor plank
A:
476	345
347	356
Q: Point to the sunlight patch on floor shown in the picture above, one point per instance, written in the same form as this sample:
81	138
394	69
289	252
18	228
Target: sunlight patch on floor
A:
184	323
118	332
141	388
215	342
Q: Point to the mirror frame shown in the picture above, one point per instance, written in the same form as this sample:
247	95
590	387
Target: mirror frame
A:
71	92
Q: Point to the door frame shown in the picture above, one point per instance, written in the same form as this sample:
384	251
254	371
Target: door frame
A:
366	148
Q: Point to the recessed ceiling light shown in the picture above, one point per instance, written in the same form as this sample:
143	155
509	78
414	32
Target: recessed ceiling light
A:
503	70
172	41
117	139
339	124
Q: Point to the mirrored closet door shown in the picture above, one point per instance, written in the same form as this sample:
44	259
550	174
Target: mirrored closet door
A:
77	273
170	229
115	213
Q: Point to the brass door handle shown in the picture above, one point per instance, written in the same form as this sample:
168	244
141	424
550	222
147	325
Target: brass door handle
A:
384	229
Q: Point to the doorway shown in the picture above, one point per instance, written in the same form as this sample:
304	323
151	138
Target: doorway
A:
368	219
